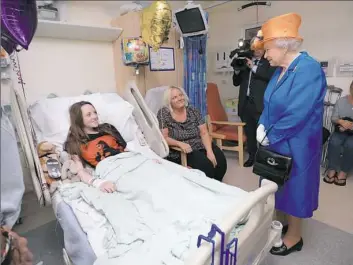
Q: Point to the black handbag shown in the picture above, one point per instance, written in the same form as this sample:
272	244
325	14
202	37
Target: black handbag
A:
271	165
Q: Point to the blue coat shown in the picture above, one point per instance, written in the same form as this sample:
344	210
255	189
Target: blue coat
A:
293	117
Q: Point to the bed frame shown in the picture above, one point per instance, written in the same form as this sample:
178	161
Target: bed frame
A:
256	238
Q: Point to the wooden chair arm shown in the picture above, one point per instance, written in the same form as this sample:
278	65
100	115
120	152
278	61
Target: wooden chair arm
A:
228	123
184	161
176	149
217	136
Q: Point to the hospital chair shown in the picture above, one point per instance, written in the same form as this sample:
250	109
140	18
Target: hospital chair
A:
219	126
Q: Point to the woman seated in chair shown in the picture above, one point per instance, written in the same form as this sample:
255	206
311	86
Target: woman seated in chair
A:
183	127
340	148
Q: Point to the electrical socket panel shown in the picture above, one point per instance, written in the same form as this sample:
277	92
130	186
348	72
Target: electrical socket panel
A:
223	61
344	68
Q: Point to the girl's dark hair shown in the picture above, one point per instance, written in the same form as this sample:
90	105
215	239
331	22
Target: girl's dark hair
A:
77	136
351	88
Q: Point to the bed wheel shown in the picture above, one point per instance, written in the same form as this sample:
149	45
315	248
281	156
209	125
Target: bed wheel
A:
66	258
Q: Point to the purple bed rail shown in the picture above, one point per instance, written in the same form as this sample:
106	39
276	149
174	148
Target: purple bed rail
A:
227	256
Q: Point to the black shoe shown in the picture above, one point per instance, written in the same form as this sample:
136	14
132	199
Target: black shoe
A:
284	251
249	162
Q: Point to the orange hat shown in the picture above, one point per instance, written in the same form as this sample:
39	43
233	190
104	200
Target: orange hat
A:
284	26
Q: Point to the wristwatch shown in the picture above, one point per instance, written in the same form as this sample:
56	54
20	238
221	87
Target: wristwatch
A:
6	247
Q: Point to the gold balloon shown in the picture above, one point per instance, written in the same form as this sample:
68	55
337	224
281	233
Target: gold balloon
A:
156	24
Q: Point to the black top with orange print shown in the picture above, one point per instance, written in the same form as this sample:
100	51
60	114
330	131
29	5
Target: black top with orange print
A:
102	145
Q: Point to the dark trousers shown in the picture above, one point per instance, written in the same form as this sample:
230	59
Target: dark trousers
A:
198	160
340	152
251	117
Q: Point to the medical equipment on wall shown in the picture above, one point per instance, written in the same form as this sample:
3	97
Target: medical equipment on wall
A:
344	68
156	23
191	20
135	52
47	10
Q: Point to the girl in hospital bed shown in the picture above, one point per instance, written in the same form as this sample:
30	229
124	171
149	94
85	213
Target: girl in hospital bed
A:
90	142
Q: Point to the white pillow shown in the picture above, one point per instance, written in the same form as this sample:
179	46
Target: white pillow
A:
51	121
154	98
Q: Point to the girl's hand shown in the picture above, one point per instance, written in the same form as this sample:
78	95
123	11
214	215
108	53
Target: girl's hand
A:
104	185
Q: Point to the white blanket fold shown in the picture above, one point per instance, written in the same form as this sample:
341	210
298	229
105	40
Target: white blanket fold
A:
157	213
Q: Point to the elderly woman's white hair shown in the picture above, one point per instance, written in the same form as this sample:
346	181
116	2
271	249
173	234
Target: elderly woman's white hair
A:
291	44
167	97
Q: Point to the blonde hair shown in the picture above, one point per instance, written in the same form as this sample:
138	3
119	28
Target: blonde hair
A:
167	97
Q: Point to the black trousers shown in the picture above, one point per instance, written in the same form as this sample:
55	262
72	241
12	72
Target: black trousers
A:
340	152
198	160
251	117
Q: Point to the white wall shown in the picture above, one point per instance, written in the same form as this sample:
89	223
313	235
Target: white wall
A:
64	66
327	28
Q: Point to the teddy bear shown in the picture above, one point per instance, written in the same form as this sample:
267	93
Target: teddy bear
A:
69	169
47	151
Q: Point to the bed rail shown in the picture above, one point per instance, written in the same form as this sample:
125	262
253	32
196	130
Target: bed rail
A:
261	208
24	130
146	120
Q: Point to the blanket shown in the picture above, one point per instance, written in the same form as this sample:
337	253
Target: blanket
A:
158	212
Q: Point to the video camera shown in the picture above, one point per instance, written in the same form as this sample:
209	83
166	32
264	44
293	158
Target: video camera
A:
241	53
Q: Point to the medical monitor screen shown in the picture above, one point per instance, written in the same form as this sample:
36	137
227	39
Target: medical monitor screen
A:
190	20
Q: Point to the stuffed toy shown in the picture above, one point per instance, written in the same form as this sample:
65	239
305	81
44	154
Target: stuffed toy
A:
69	169
50	161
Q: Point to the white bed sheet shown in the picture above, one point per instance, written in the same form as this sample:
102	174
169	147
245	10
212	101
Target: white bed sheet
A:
111	228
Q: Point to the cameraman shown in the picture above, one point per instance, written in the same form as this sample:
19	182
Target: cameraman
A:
253	81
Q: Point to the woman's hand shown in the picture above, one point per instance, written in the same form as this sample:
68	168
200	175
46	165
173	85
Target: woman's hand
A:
347	125
261	135
104	185
185	147
212	158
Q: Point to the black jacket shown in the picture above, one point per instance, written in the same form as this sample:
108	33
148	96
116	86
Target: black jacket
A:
259	83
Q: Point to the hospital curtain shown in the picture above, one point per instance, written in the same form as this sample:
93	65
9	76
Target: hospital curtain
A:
195	70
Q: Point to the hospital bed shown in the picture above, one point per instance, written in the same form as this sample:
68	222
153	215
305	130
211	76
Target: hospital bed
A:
35	123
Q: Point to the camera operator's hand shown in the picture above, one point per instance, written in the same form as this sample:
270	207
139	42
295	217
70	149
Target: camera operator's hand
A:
20	254
249	63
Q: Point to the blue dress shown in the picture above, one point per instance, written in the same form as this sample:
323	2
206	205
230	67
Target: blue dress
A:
293	116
